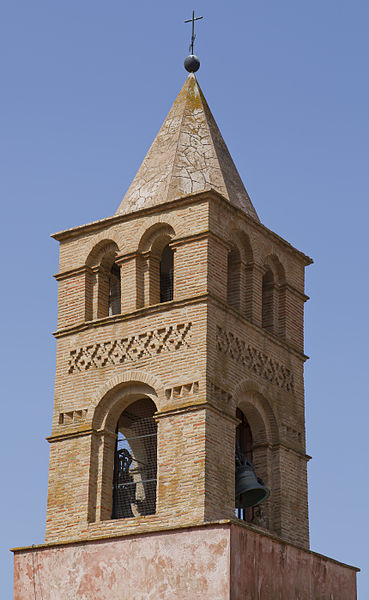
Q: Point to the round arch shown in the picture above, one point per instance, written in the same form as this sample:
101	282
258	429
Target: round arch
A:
260	414
104	411
156	237
99	250
240	239
272	263
117	393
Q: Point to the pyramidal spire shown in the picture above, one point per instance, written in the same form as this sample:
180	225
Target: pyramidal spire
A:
187	156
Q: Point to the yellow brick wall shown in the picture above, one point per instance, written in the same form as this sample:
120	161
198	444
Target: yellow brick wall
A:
196	357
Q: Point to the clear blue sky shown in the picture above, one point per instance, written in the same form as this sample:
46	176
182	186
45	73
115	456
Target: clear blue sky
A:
85	88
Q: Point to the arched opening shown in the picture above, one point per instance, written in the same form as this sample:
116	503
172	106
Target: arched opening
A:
103	288
234	278
135	461
244	445
114	300
268	301
155	282
166	274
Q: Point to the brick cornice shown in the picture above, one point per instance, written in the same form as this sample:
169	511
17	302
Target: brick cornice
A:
123	258
135	314
72	272
206	195
273	338
257	225
277	445
164	306
154	528
202	235
193	407
60	437
193	198
295	291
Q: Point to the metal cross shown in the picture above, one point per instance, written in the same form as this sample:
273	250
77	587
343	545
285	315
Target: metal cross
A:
193	29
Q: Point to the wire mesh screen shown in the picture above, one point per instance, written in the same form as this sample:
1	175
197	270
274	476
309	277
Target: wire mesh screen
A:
135	465
244	445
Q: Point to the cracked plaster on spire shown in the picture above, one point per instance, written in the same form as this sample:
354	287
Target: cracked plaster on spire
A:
188	155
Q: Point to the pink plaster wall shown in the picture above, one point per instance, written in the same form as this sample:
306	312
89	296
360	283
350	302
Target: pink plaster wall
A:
213	562
183	565
266	569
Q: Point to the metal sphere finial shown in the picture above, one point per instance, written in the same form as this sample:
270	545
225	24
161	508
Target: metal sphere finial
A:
191	63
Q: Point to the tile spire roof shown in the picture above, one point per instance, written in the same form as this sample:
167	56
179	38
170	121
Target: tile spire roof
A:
187	156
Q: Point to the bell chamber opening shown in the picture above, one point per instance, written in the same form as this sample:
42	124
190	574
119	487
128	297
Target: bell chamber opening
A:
135	461
250	490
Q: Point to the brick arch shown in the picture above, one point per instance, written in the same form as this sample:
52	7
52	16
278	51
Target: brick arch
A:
98	285
153	242
117	393
98	248
240	272
240	239
273	263
253	403
265	436
105	408
152	234
273	296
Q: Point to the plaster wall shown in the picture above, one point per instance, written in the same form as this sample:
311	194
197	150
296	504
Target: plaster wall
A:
263	568
217	561
185	564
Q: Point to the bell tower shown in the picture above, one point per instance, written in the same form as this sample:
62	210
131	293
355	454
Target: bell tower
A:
179	347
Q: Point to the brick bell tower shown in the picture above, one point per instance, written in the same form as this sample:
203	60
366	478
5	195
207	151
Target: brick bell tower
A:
180	335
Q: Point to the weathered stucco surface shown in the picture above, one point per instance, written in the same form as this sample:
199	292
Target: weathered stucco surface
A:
214	562
186	564
267	569
188	155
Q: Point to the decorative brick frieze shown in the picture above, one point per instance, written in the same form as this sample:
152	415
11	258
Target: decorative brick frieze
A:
254	359
219	394
292	434
73	416
182	390
134	347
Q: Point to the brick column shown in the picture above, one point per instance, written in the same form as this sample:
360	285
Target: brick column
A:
257	303
72	293
181	463
217	267
128	281
292	315
190	267
67	502
101	479
100	292
220	465
153	280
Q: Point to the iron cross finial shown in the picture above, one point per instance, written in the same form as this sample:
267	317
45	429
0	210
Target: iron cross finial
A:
192	20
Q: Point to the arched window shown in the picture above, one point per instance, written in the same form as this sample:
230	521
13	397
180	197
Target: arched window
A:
103	293
114	306
166	274
135	463
268	301
234	278
244	444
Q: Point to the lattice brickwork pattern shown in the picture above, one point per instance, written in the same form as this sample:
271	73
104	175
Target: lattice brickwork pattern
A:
183	390
73	416
134	347
254	359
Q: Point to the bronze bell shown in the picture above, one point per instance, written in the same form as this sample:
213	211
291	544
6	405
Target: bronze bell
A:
250	489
